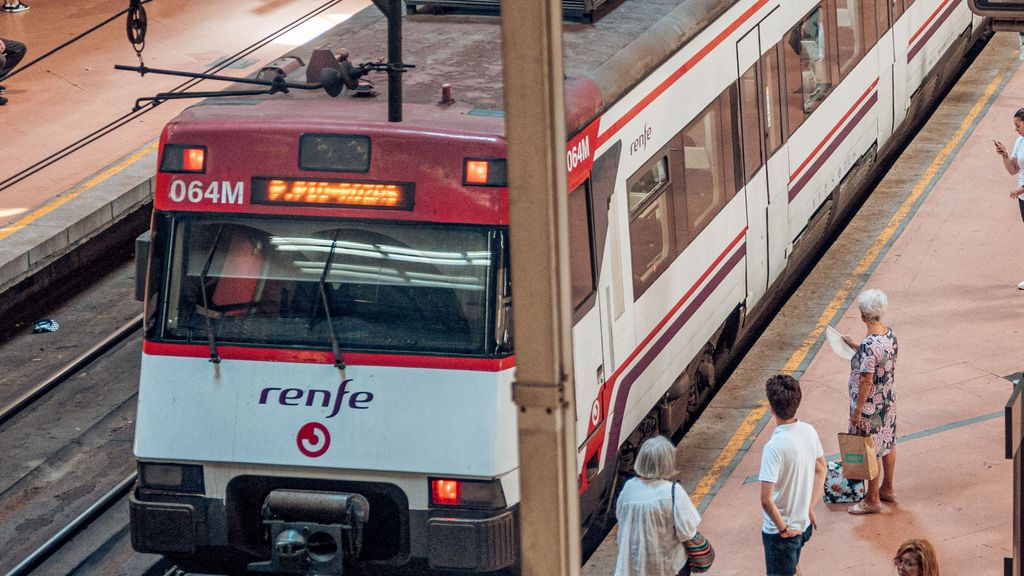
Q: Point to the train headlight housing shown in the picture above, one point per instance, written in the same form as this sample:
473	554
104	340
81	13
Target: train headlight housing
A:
176	477
183	159
485	172
451	492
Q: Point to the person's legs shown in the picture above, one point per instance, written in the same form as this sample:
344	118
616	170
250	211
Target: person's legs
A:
886	491
12	56
804	539
781	555
871	498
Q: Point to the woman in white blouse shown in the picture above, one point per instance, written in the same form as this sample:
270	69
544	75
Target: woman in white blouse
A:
651	531
1013	161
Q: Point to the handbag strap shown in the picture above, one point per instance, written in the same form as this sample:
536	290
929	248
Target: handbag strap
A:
673	489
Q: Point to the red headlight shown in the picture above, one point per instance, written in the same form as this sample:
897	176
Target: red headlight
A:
446	492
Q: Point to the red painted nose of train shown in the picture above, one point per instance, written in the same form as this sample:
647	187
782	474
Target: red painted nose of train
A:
430	175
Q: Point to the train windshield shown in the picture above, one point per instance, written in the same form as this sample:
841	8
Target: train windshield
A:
372	286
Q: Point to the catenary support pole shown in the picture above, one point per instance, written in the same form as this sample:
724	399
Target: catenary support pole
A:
543	390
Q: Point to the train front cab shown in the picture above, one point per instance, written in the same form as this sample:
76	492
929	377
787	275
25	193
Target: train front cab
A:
301	407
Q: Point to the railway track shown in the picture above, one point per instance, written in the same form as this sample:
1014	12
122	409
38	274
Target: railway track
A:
64	374
67	438
116	495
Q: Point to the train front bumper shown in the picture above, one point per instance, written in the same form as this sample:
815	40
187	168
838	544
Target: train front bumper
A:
186	526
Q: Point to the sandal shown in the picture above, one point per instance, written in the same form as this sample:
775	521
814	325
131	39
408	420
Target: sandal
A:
887	497
860	508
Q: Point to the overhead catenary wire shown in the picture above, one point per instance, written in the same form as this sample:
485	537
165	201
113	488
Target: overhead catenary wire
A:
135	114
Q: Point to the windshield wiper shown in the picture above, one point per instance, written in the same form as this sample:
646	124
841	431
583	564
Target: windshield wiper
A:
205	310
338	362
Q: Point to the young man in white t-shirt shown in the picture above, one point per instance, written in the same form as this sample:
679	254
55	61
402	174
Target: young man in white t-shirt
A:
792	479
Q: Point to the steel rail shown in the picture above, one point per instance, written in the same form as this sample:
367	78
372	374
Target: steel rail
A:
69	531
14	408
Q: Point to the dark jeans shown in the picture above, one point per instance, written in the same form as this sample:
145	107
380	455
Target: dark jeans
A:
781	555
11	57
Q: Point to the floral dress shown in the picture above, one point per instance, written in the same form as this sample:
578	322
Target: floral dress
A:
877	355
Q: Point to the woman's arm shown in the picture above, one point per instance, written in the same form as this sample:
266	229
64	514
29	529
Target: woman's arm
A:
1009	162
685	515
863	388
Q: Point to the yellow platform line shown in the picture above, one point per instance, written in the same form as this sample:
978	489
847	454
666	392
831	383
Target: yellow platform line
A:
747	428
64	199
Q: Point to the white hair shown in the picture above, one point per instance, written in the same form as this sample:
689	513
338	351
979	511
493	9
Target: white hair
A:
873	303
656	459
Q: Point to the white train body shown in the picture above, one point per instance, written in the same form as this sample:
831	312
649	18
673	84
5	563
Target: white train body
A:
718	177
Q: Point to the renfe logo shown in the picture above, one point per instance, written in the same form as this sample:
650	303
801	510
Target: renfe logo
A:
640	142
298	397
313	439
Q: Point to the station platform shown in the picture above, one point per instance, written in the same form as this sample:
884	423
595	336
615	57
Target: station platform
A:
52	201
941	236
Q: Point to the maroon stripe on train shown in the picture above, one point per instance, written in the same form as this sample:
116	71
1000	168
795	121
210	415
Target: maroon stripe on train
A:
869	104
660	344
931	31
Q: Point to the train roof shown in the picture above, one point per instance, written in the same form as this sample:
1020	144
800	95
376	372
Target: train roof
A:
602	59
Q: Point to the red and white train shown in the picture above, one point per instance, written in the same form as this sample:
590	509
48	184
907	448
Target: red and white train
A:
350	276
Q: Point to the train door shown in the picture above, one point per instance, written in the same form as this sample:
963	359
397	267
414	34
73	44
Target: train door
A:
752	169
886	58
588	361
596	284
903	83
763	170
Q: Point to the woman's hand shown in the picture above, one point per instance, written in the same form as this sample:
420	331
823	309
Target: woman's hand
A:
850	342
1017	192
1000	149
857	421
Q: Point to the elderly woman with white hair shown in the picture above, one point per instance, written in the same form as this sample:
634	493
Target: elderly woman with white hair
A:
873	396
655	515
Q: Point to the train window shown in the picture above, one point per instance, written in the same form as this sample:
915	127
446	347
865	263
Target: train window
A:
648	181
581	268
375	286
869	22
334	152
882	16
771	71
808	66
849	34
753	136
651	228
897	9
728	137
707	162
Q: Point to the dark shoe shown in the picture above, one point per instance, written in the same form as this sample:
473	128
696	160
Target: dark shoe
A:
3	100
19	7
3	88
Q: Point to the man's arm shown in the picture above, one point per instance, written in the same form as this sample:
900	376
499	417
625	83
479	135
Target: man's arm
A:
819	487
769	507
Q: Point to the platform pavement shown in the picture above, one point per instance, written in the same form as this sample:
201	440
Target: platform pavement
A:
75	91
942	238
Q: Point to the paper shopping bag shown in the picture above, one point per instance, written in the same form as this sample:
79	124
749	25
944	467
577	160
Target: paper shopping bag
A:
858	455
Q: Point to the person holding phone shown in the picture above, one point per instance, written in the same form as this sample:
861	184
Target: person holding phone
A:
1013	161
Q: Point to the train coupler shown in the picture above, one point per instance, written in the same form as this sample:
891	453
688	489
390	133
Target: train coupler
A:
312	532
